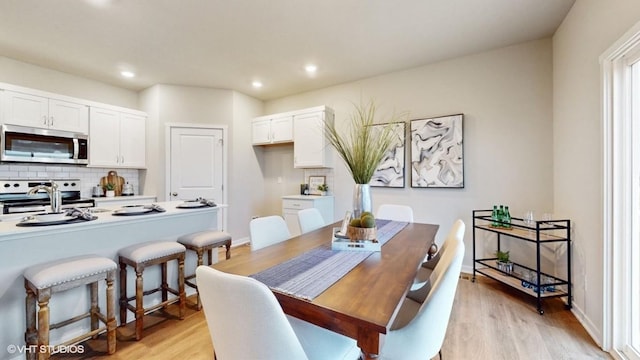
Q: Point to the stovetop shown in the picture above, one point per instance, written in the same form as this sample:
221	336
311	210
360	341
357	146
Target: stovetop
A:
14	197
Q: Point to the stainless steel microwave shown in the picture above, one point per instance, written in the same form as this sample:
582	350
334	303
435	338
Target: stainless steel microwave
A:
27	144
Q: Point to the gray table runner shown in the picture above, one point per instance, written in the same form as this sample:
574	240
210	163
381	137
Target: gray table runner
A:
309	274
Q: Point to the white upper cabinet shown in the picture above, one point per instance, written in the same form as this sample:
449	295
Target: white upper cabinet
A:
310	147
42	112
117	139
273	129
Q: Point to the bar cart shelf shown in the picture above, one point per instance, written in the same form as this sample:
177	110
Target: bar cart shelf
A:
523	278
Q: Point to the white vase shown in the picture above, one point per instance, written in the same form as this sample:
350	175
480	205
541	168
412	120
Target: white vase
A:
361	199
110	193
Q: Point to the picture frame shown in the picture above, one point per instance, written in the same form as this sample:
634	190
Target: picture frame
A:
314	181
390	172
437	157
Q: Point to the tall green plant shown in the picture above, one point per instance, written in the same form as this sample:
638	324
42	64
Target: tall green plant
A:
363	147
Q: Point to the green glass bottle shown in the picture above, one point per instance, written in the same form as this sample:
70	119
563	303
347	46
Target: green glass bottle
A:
501	216
494	217
506	218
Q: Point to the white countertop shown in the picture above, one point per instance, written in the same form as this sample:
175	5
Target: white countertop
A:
306	197
9	230
121	198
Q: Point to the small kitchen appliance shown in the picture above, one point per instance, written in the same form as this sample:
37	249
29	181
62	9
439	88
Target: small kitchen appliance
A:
127	189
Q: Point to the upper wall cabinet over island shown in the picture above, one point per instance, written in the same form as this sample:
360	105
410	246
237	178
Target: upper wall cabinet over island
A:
305	128
272	129
116	135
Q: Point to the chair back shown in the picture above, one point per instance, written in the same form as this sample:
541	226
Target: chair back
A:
426	279
310	219
268	230
456	234
395	212
244	318
425	333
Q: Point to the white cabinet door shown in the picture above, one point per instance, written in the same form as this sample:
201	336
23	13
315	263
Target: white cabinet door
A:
104	137
26	110
116	139
41	112
132	140
310	148
282	129
68	116
261	131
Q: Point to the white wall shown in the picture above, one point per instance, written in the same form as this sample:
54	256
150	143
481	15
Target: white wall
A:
246	183
589	29
36	77
184	104
505	96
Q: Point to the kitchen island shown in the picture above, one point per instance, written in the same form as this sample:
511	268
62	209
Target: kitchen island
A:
21	247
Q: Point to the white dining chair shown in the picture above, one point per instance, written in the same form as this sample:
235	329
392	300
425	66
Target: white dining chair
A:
246	322
395	212
431	269
310	219
268	230
422	336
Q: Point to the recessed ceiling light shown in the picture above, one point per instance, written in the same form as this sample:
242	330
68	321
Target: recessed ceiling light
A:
256	84
127	74
310	69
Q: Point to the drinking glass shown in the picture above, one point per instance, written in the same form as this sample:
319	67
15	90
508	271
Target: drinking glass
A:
527	218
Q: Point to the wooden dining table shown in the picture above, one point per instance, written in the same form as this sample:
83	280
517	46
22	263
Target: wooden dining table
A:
362	304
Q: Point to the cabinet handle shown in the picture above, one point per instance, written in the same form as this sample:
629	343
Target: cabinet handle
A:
174	194
44	120
51	123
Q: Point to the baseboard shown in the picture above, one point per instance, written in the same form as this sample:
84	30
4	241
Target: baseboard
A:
240	242
586	323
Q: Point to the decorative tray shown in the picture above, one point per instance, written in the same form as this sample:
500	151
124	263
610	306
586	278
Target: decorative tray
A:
343	243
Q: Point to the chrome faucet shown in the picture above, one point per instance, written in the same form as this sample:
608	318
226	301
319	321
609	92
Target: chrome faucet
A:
55	195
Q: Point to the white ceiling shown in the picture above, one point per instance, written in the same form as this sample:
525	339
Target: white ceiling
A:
229	43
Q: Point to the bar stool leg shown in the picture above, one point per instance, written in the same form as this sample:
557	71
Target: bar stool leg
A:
139	304
111	314
123	294
43	325
200	253
31	335
228	254
165	284
183	295
95	310
210	256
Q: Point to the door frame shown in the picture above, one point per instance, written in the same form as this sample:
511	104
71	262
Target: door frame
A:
167	167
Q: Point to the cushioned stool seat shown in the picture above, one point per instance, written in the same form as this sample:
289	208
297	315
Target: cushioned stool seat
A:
204	241
140	256
42	280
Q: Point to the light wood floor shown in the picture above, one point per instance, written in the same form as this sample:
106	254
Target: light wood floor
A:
489	321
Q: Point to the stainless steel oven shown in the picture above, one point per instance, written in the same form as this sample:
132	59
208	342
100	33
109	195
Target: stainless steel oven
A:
14	198
26	144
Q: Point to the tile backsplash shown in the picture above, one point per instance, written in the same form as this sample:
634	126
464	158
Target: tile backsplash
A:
90	177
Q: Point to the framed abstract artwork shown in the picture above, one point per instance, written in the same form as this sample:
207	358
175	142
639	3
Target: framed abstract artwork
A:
437	159
390	172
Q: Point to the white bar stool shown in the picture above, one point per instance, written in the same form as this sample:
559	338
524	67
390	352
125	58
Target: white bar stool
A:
141	256
43	280
200	242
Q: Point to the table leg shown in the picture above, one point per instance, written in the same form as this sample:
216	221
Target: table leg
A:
369	343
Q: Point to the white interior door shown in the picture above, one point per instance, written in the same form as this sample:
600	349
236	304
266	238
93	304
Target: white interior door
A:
197	165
